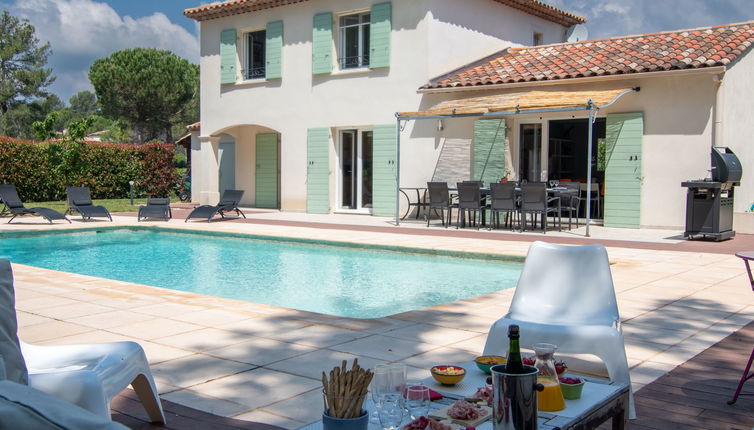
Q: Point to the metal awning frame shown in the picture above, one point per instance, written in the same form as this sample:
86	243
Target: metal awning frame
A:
590	107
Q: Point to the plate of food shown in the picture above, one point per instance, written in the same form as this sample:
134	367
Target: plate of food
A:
464	413
424	423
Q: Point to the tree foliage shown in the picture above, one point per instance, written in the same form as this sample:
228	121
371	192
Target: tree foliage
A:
22	60
150	89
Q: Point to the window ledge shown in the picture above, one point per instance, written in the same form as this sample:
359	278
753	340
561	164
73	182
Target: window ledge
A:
257	81
353	71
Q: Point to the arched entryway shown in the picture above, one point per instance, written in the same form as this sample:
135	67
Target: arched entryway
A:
247	158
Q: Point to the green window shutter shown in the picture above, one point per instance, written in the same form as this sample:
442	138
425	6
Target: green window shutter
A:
274	50
623	140
489	150
266	174
228	56
384	154
322	44
379	35
318	170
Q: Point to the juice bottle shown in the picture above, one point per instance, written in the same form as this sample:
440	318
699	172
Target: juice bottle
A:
551	398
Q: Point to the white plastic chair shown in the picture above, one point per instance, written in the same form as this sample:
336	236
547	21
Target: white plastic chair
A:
565	296
92	375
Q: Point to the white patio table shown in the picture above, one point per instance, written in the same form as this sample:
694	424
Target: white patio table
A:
600	401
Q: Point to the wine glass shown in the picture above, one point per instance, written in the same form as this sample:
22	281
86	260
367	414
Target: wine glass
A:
391	411
417	400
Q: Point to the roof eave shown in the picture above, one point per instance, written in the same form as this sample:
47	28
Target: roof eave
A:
664	73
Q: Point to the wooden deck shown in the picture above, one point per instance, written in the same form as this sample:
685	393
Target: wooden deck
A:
694	394
127	410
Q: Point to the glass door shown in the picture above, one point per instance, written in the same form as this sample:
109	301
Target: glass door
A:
530	153
355	188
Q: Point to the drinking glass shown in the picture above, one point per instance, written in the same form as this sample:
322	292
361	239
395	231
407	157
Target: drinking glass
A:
381	386
417	400
397	378
391	411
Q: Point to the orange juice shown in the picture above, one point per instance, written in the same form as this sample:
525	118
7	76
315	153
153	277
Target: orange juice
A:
551	398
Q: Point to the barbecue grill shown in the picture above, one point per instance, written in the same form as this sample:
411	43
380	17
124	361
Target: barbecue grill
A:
709	202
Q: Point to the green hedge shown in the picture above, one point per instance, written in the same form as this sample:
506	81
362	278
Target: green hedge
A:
106	169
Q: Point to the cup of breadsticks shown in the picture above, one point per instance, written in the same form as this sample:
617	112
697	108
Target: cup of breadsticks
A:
344	391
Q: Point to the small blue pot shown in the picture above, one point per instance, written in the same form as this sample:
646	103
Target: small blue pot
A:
360	423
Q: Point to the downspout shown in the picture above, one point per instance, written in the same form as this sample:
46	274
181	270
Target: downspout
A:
717	127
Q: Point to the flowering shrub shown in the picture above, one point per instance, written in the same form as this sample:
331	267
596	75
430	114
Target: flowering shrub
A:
106	168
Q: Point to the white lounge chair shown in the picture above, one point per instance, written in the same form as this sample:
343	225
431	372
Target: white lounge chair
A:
92	375
86	375
565	296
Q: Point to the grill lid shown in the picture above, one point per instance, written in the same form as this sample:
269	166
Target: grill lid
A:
726	167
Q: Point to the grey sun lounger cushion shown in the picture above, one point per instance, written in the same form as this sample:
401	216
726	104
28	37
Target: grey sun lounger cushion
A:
15	207
228	203
156	208
10	349
79	200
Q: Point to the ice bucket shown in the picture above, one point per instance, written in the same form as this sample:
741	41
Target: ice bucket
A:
514	399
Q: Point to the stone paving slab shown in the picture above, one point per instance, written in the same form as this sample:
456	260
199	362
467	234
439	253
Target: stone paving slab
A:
674	304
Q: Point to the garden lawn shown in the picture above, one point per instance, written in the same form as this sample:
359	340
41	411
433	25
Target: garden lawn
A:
112	205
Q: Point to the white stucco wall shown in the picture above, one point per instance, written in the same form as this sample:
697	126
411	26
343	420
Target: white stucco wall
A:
422	45
738	126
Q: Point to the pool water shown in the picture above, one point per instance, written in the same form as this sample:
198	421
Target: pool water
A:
333	280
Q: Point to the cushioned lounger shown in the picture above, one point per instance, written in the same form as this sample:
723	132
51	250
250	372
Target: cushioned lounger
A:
156	208
229	202
15	207
79	200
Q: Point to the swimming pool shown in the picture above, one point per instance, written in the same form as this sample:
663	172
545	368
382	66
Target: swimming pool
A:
333	280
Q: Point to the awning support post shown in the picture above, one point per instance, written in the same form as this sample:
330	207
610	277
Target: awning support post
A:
589	169
397	169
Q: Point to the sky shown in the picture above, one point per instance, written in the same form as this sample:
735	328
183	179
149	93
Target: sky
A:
80	31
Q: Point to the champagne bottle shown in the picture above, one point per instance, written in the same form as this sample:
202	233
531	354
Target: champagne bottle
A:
514	365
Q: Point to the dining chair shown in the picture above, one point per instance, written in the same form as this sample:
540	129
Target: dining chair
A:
439	199
570	201
534	201
503	199
469	201
591	192
565	296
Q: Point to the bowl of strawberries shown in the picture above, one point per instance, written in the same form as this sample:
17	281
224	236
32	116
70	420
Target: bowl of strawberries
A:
571	387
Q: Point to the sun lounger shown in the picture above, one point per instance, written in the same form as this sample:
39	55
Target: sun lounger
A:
79	200
155	208
228	202
15	207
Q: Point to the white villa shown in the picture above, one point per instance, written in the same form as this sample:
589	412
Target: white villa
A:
298	104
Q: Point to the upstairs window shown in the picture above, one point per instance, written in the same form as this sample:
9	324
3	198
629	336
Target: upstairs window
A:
354	41
538	39
255	55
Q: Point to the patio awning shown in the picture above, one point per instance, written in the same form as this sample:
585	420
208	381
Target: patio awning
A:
518	102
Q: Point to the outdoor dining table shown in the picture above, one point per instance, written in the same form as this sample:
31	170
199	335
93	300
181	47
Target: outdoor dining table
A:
600	401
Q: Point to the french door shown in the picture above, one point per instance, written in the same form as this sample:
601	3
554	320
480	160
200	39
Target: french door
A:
355	165
530	155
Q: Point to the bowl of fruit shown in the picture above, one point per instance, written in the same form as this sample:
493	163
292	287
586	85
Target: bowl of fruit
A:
571	387
448	375
485	362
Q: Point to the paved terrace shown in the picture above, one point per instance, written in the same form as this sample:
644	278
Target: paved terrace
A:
263	363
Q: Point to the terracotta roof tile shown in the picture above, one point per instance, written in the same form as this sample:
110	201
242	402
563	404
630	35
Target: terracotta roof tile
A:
234	7
672	50
194	127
